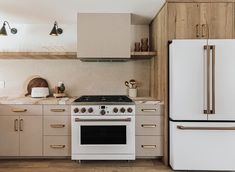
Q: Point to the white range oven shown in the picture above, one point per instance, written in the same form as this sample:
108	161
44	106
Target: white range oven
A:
103	130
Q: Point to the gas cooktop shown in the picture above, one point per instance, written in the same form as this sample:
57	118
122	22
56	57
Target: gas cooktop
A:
104	99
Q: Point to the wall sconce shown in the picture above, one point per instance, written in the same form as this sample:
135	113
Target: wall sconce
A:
55	30
3	30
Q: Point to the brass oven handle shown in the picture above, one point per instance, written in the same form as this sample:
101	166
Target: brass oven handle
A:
197	31
213	79
16	125
101	120
57	110
57	146
21	124
149	125
203	30
205	128
148	110
148	146
18	110
57	125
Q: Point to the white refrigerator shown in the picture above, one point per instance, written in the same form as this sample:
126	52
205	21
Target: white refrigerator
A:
202	104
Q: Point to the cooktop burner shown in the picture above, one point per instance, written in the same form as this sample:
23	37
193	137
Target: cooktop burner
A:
106	98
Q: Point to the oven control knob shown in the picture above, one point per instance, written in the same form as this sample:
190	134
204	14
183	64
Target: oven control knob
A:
129	110
76	110
90	110
115	110
102	112
122	110
83	110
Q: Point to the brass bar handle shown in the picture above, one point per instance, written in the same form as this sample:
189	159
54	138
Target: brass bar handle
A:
21	124
57	125
57	146
213	79
207	111
148	110
102	120
197	30
148	146
57	110
149	125
18	110
205	128
16	125
204	30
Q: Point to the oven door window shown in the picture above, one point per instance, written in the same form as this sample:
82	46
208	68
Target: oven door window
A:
110	135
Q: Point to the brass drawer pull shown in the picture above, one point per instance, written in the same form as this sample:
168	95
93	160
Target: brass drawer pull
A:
148	110
57	125
18	110
149	125
57	146
57	110
16	125
148	146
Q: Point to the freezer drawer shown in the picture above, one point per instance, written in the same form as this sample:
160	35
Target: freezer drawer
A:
202	146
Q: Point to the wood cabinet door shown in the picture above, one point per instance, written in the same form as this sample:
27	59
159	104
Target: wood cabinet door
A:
217	20
183	20
9	136
30	135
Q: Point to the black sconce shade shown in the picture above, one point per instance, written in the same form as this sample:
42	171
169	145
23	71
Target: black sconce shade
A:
3	30
55	30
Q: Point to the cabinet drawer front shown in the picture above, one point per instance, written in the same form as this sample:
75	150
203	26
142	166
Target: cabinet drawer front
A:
149	146
57	125
20	109
57	146
56	110
148	109
149	125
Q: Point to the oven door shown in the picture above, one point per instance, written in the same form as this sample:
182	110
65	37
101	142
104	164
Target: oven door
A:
103	135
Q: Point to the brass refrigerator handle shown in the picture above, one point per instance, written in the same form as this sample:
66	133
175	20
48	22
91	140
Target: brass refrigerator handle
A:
102	120
197	30
148	110
18	110
213	79
181	127
21	124
16	124
207	111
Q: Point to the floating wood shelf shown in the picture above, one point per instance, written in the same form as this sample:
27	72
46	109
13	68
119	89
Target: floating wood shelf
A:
38	55
143	55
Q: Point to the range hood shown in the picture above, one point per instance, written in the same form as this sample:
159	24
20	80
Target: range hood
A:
104	37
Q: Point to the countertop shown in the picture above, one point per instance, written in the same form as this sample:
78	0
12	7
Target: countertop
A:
36	101
56	101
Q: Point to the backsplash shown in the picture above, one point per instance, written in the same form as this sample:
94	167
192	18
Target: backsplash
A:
80	78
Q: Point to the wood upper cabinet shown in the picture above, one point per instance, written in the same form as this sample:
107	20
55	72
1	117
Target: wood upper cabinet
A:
217	20
200	20
183	20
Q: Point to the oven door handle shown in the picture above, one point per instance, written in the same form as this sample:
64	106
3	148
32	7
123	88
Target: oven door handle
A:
102	120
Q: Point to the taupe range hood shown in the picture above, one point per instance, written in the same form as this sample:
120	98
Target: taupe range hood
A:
104	37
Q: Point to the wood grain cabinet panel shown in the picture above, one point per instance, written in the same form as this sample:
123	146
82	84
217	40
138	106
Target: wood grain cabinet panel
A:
183	20
217	20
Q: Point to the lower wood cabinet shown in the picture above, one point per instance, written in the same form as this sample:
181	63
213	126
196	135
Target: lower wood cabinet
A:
9	136
149	129
20	130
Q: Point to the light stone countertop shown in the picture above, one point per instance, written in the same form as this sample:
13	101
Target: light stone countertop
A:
36	101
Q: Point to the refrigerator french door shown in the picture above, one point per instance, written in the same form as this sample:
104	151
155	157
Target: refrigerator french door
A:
202	104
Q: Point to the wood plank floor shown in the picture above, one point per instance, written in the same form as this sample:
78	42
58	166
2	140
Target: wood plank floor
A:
85	166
